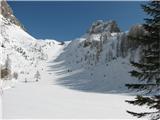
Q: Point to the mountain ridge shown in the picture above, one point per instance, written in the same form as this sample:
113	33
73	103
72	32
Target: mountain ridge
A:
103	45
7	12
83	78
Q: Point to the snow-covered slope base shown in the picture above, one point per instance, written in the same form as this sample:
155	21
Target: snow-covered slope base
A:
22	52
101	66
77	65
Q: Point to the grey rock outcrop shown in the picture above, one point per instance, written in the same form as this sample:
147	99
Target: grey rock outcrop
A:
121	45
99	26
7	12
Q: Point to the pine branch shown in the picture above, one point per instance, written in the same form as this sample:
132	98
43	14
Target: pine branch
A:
153	115
139	115
148	68
140	100
139	87
152	102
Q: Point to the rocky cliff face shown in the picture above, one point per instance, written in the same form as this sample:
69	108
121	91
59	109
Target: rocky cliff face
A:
100	26
106	38
95	62
6	11
103	55
104	43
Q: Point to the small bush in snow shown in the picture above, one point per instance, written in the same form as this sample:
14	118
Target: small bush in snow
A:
15	75
5	73
37	76
25	80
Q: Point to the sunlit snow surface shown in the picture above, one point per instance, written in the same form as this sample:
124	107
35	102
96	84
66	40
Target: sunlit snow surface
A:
94	92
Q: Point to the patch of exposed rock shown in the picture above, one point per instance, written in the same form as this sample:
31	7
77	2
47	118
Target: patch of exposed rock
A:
7	12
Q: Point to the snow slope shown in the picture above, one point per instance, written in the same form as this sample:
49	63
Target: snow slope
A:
46	99
0	107
95	72
23	51
96	64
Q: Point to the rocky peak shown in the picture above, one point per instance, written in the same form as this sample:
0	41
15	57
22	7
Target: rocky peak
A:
100	26
7	12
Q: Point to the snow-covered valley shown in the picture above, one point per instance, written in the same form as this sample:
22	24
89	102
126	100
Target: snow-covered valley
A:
83	78
46	99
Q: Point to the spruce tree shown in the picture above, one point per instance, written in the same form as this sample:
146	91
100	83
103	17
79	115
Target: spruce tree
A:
37	76
147	70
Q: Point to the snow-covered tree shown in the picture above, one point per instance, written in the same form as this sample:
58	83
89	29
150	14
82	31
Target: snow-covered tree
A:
15	75
37	76
148	68
6	70
8	63
25	80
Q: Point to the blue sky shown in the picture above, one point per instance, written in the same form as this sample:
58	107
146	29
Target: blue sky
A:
64	20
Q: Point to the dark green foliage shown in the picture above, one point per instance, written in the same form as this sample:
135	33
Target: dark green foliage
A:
152	102
148	68
139	115
141	87
5	73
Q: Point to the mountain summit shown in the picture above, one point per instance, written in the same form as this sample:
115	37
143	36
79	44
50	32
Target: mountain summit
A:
100	26
103	48
37	69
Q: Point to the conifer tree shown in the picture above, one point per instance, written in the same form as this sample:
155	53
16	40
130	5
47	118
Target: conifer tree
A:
147	70
37	76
